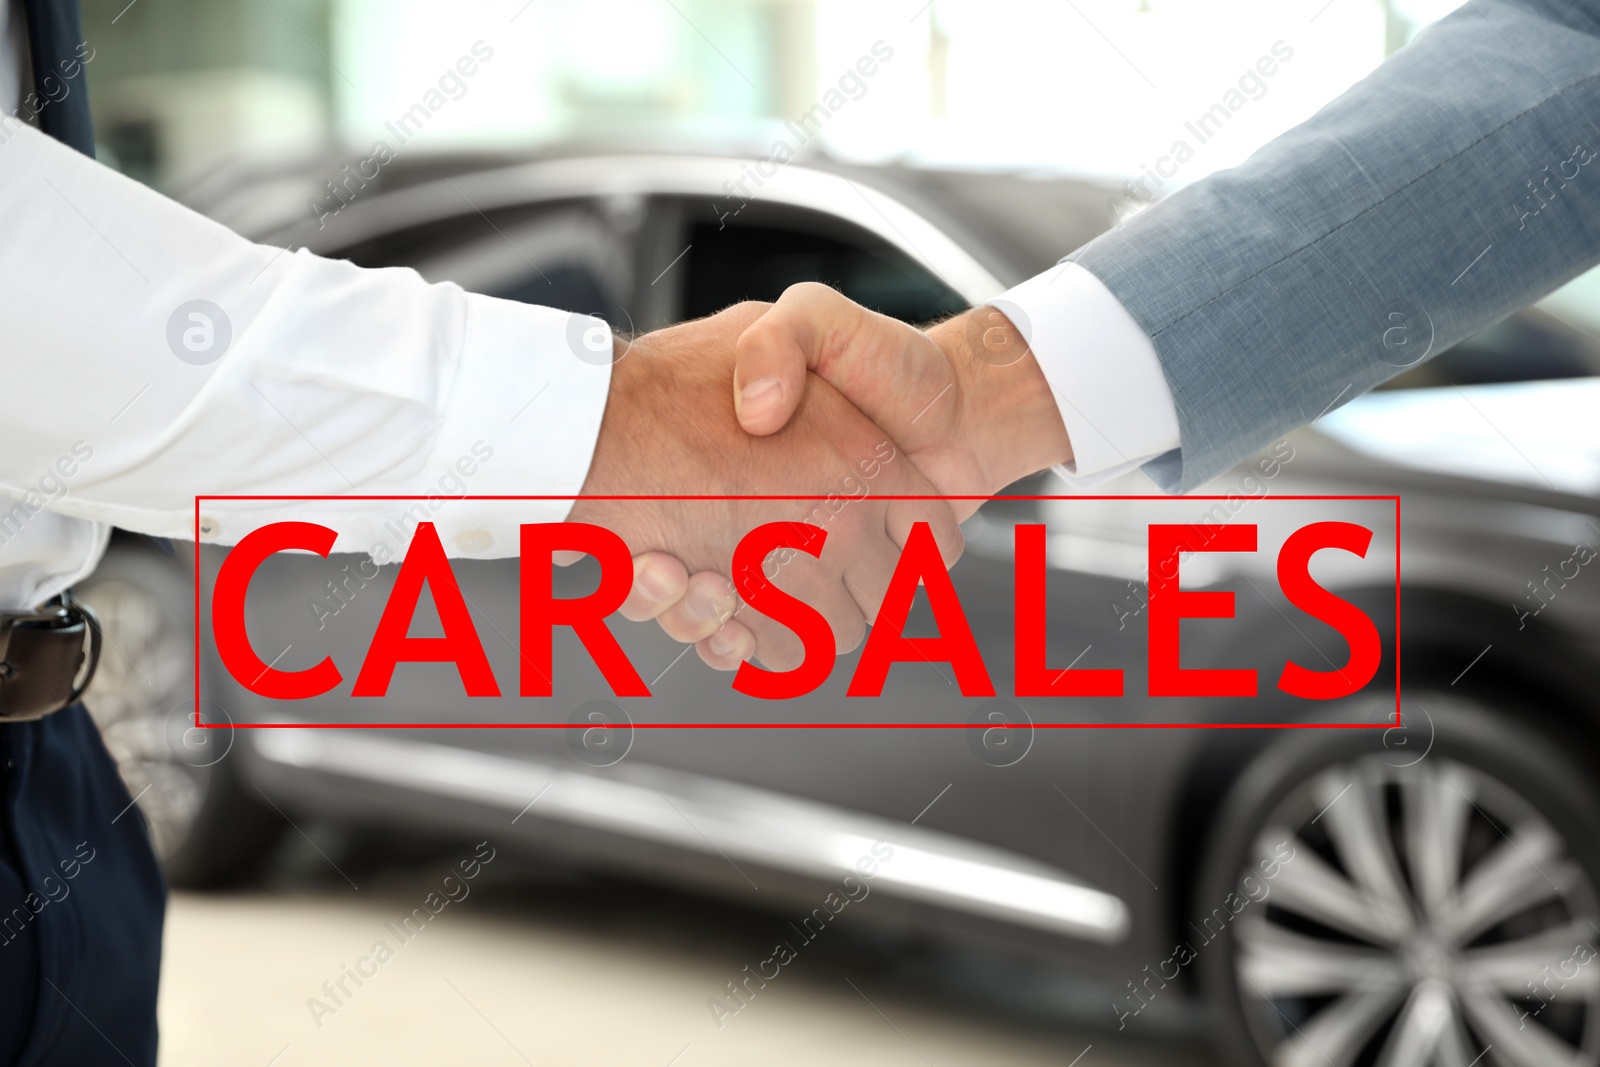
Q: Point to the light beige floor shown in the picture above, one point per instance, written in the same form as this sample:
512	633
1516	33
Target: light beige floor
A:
486	986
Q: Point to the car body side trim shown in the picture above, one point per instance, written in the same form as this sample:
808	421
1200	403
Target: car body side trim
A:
735	820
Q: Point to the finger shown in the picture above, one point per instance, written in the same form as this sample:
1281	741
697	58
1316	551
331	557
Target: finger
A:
867	574
728	647
858	547
707	603
902	515
903	479
659	581
845	617
774	643
818	586
776	646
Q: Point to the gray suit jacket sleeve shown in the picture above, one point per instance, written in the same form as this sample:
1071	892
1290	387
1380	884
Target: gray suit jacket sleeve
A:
1456	184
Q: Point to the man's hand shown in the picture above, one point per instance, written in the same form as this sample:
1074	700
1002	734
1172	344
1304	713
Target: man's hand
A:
669	427
966	400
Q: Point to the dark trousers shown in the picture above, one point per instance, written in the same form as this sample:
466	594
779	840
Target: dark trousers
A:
81	903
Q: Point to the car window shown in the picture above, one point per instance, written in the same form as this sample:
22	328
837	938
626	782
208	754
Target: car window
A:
765	248
558	255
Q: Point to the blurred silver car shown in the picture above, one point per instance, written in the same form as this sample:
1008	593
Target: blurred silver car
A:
1424	894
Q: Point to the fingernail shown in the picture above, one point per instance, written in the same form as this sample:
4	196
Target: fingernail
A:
722	645
702	606
759	397
655	584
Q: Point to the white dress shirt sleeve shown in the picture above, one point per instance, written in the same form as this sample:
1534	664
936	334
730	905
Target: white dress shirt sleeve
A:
1103	369
301	375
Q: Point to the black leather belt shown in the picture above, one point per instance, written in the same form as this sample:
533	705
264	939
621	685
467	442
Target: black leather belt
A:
42	658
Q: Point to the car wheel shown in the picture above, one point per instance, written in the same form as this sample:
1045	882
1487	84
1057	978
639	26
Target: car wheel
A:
204	826
1365	906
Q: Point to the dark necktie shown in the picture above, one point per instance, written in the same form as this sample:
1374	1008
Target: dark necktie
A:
54	38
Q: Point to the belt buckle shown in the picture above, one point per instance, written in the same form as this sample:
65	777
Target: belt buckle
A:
66	614
11	620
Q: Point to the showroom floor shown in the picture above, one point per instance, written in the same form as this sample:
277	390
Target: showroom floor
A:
565	973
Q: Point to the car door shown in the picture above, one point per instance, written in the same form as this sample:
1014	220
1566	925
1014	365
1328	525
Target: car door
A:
1070	799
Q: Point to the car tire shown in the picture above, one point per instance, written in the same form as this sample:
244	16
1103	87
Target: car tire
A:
205	826
1431	902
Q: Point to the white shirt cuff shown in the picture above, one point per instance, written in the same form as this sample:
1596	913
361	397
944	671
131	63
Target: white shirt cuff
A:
530	393
1103	369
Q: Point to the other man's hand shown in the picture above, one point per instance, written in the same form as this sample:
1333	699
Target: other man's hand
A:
965	400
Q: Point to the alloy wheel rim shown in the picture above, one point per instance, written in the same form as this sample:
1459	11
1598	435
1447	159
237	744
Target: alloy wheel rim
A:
1430	916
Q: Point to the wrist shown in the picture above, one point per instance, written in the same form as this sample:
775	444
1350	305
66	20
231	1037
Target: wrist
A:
1010	418
609	464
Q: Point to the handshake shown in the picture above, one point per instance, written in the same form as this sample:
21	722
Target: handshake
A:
812	396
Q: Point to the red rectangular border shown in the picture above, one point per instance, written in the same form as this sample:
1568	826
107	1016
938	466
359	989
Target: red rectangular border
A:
801	725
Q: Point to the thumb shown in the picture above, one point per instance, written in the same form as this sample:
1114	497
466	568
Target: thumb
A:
774	353
895	374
